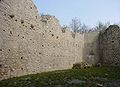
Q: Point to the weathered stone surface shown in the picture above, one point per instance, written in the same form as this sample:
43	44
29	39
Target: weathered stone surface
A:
30	43
109	46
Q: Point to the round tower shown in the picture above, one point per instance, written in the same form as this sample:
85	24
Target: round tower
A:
109	46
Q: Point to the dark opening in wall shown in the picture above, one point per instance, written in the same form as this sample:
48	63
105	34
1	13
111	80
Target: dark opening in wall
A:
0	65
23	37
57	37
21	58
10	32
112	41
30	7
40	53
52	35
12	16
31	26
3	30
8	49
16	20
21	68
50	31
42	45
0	49
18	35
22	21
12	69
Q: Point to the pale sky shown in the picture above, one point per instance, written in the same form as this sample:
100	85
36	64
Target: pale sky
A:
89	11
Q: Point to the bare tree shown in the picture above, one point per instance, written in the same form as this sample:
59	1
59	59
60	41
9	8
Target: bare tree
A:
84	29
75	25
101	26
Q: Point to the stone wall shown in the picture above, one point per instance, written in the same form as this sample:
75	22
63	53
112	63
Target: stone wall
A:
60	49
30	43
91	48
109	46
20	36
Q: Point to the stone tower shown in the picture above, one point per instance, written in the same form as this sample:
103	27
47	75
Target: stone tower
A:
109	46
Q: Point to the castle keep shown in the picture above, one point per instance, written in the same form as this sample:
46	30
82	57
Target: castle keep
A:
30	43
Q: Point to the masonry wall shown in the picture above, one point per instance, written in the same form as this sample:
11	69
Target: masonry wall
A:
109	46
20	36
32	44
91	48
60	49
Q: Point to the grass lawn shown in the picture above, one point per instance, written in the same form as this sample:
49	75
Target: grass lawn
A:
90	77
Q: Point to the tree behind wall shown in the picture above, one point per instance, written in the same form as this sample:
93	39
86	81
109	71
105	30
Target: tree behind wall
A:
101	26
75	25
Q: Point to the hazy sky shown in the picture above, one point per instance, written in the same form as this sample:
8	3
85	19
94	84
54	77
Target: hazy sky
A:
89	11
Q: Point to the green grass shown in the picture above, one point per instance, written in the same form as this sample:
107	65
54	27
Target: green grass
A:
91	76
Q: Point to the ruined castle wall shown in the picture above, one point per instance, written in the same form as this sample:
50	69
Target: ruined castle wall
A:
91	48
79	47
18	41
109	46
60	49
32	44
